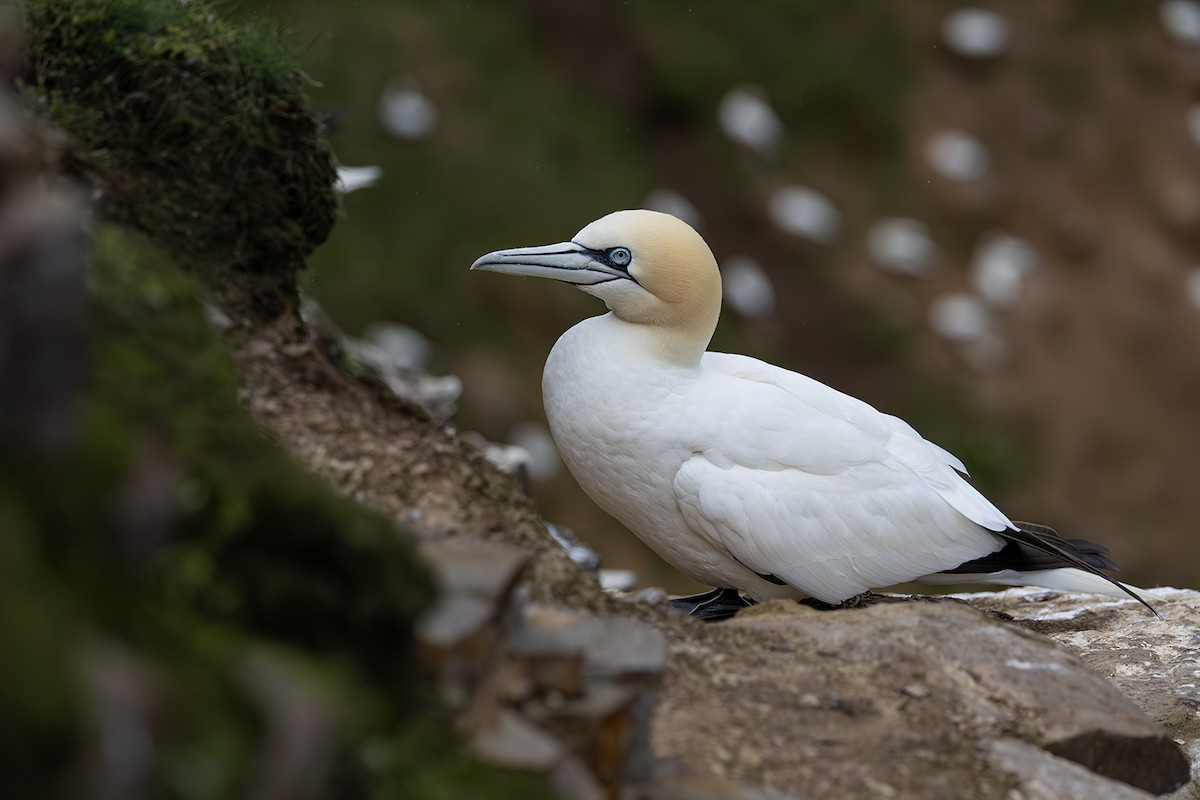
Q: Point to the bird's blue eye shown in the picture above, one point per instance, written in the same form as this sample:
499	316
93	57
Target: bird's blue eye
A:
620	256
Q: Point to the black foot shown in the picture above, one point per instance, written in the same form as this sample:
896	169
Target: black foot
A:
859	601
712	606
869	598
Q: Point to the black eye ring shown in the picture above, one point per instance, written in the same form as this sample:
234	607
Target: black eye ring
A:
620	256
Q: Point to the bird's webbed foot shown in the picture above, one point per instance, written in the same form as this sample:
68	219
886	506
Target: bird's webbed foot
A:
712	606
863	600
868	599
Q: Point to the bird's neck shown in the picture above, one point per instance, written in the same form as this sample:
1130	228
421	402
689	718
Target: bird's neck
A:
676	345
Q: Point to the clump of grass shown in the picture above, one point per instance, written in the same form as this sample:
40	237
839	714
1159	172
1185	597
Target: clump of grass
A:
196	129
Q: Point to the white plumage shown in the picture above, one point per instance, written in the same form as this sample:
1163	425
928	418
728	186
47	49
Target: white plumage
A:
739	473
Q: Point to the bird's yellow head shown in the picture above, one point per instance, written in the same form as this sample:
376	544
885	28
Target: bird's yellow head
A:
650	269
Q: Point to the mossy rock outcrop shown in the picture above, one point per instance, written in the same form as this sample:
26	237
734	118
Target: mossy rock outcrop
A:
196	130
169	550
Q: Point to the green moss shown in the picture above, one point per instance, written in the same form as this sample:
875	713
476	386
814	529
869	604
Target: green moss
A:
197	130
261	543
38	696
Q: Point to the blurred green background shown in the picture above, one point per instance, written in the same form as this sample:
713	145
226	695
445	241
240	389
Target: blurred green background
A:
1074	399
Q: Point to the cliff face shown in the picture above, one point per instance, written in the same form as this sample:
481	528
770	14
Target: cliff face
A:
191	608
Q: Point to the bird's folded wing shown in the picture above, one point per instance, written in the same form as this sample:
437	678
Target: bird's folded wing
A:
815	403
823	491
831	536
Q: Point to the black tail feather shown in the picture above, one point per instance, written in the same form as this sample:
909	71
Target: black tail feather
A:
1035	547
1018	555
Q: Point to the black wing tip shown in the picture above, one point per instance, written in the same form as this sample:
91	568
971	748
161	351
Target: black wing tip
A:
1088	556
1030	547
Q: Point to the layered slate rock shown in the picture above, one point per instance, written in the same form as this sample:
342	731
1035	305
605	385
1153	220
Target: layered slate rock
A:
555	692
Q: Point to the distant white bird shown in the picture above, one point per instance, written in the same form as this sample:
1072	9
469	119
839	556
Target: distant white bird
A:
957	155
806	213
746	287
1181	18
975	33
901	246
405	111
745	476
748	119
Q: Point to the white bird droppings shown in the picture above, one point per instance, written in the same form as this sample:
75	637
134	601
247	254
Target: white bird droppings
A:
405	111
975	33
806	213
901	245
1017	663
960	318
1181	18
617	580
957	155
999	268
747	289
669	201
748	119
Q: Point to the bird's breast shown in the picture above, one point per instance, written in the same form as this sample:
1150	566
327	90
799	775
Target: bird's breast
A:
616	414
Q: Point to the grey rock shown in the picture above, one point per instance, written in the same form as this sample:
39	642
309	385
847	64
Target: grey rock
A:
437	394
1153	662
43	312
608	721
912	698
296	757
460	636
675	780
1046	777
510	740
482	569
567	695
584	557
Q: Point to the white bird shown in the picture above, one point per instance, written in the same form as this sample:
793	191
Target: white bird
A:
745	476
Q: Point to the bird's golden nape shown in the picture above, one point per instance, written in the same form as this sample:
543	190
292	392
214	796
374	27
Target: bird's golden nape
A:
672	264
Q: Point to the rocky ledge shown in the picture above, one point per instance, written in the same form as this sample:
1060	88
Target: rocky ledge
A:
1017	694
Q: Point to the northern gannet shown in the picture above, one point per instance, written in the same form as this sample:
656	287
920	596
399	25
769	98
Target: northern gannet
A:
745	476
